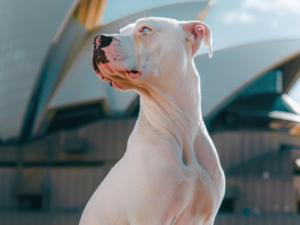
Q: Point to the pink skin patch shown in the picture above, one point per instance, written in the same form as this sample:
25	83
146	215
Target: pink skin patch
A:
114	53
105	78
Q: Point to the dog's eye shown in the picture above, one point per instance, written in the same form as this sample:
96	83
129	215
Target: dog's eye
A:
145	29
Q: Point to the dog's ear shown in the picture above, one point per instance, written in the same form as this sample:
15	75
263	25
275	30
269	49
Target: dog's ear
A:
195	31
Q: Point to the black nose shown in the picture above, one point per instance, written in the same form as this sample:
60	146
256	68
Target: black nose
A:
102	41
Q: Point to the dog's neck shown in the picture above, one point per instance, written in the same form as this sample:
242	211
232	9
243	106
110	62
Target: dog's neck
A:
175	110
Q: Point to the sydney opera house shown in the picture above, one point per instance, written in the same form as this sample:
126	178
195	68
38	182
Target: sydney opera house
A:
62	128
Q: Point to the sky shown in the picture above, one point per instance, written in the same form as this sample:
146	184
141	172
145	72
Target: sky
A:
233	22
116	9
237	22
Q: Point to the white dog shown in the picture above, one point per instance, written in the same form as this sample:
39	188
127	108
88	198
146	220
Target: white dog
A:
170	173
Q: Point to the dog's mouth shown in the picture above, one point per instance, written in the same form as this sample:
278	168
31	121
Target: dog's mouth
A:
135	73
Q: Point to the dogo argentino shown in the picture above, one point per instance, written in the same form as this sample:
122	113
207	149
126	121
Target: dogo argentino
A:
170	173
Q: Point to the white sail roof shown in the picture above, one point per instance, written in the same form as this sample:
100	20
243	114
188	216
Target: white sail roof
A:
29	30
229	70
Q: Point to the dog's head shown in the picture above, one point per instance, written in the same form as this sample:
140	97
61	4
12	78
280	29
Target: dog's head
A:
147	52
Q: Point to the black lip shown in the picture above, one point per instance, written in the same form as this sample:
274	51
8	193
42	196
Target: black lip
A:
98	54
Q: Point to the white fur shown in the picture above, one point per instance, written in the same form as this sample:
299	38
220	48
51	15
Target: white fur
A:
170	173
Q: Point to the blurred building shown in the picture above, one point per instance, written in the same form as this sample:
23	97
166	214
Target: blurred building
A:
62	128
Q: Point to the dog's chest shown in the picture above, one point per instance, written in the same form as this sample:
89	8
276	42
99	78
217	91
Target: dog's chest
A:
168	191
195	203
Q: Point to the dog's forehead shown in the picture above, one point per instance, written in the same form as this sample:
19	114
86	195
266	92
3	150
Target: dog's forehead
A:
128	29
156	22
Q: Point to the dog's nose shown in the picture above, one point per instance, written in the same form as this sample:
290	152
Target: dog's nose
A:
104	41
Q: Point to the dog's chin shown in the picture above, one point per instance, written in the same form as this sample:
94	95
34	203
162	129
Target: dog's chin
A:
124	82
120	75
117	81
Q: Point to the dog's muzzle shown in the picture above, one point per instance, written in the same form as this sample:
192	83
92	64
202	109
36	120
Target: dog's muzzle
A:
106	48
